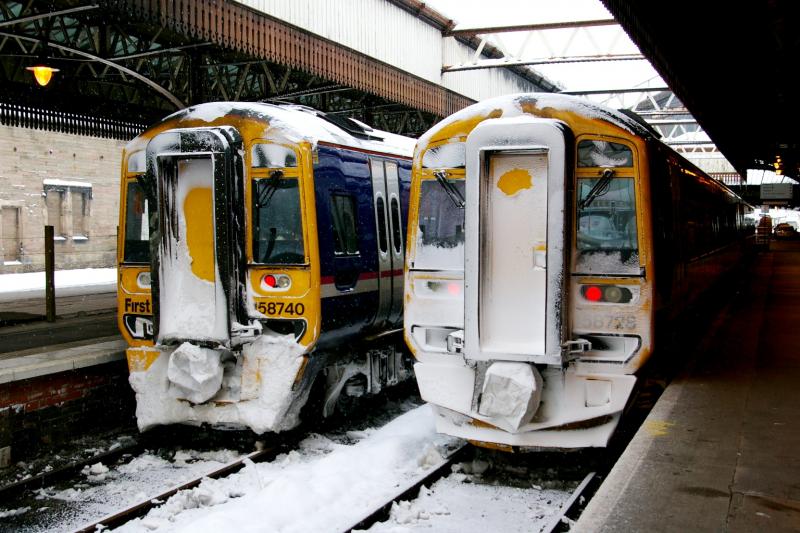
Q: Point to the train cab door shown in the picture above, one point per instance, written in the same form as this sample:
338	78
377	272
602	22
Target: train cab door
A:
195	253
515	244
386	203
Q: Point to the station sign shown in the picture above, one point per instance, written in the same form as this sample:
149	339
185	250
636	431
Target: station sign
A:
776	191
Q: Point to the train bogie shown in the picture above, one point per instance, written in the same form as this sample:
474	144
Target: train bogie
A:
257	240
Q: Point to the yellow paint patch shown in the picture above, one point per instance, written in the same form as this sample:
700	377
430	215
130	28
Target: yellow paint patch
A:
198	210
139	360
657	428
514	181
461	128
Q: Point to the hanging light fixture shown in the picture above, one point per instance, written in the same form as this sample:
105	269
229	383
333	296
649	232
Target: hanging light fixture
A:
41	70
42	73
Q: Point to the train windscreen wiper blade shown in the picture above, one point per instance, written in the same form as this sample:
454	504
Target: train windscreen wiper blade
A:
449	188
599	189
266	194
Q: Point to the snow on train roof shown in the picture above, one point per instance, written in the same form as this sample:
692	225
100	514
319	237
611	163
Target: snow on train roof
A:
295	123
511	106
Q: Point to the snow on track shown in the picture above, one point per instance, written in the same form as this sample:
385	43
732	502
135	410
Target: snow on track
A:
324	485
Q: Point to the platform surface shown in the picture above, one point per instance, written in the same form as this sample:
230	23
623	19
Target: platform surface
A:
720	451
85	333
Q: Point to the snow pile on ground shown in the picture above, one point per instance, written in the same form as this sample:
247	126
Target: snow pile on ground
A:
106	488
322	486
67	282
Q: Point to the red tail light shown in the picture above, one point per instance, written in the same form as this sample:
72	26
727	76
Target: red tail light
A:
276	281
593	293
612	294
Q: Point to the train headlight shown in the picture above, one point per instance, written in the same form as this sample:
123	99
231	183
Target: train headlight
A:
612	294
276	282
143	280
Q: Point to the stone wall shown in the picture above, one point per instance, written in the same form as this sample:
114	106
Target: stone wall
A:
81	174
49	411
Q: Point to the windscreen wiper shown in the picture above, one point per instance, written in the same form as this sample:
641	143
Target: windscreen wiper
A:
266	194
599	189
451	190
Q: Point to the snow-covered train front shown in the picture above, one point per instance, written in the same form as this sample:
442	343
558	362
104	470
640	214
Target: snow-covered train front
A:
259	246
532	286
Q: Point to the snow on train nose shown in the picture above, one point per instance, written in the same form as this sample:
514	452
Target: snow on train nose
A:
194	373
192	301
511	394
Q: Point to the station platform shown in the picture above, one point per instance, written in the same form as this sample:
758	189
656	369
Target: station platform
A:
720	451
60	378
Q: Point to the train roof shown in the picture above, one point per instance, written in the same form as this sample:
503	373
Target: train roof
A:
285	123
551	105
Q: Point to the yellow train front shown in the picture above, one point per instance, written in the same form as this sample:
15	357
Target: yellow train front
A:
546	238
259	246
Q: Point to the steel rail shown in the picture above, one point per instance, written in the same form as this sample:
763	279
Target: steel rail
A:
141	508
556	520
67	471
409	491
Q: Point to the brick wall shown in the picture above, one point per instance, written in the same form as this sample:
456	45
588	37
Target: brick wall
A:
31	158
48	411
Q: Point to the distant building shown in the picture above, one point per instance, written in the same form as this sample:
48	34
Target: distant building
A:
68	181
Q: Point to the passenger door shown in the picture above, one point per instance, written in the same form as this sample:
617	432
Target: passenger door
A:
515	259
196	251
388	226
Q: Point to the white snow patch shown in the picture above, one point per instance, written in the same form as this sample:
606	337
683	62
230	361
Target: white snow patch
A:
194	373
66	183
274	358
191	307
293	124
13	512
458	504
144	476
302	491
510	106
67	282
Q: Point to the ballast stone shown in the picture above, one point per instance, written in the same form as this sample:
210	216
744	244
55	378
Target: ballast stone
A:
194	373
511	394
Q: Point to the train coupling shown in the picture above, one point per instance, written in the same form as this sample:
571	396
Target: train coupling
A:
455	341
577	346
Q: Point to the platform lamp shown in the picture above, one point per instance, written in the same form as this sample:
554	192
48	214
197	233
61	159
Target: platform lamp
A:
42	70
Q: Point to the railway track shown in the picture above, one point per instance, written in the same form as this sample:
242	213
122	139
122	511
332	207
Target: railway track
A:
381	512
141	508
364	521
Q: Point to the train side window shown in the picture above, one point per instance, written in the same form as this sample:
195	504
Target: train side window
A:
269	155
397	238
599	153
380	207
345	233
137	225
